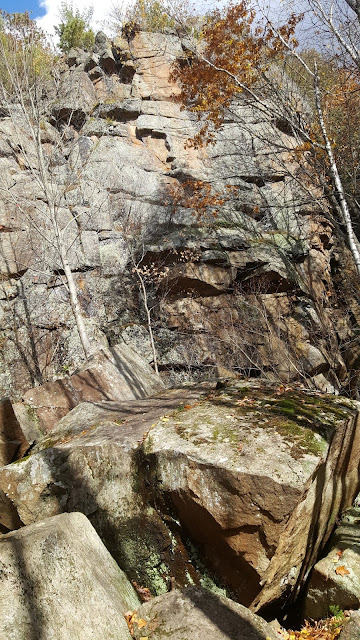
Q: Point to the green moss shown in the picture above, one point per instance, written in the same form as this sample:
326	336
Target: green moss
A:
303	439
305	422
21	459
224	433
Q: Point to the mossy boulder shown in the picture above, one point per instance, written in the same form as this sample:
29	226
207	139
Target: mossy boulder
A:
235	489
257	478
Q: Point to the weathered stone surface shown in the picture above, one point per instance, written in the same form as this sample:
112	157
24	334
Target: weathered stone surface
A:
250	488
117	159
352	628
154	54
224	489
117	374
13	442
76	99
93	462
122	111
328	585
198	613
58	581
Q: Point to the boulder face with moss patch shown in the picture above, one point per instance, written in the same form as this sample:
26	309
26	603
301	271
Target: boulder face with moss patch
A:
257	481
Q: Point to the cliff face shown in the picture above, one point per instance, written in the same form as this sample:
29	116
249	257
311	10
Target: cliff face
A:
263	287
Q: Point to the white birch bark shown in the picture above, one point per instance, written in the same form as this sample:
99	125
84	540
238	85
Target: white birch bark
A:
353	243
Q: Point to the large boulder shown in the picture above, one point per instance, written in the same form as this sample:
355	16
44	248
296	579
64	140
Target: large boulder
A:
58	581
93	462
116	374
75	99
198	613
257	480
352	629
335	579
239	489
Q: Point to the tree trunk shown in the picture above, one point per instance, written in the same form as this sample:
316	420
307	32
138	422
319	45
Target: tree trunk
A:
353	243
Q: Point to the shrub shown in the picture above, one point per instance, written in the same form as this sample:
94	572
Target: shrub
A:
74	29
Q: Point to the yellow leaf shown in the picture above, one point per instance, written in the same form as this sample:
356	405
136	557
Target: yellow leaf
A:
141	623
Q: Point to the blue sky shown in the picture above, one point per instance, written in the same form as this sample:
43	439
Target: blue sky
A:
19	5
48	10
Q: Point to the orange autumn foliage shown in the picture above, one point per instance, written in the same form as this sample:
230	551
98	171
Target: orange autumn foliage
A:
233	54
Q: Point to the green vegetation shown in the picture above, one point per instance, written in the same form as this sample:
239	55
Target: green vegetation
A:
303	421
74	29
336	611
146	15
25	57
21	459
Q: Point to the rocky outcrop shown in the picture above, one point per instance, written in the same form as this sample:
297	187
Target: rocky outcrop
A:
59	581
238	489
197	613
260	288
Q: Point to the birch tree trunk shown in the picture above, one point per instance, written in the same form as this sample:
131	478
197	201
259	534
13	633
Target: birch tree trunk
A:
353	242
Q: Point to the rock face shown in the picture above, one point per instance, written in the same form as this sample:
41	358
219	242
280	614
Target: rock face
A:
262	288
238	489
335	579
197	613
58	581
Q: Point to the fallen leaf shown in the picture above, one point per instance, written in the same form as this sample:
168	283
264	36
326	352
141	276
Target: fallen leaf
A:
342	571
130	617
165	419
187	406
141	623
339	553
143	592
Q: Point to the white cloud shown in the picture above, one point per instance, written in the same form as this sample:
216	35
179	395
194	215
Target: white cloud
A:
51	18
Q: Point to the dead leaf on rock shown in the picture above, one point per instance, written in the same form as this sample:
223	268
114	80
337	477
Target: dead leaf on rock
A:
141	623
143	592
342	571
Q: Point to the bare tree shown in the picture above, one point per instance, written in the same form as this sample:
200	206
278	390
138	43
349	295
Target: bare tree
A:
22	52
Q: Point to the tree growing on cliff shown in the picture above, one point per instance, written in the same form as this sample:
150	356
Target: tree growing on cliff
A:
153	15
74	29
240	55
23	81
